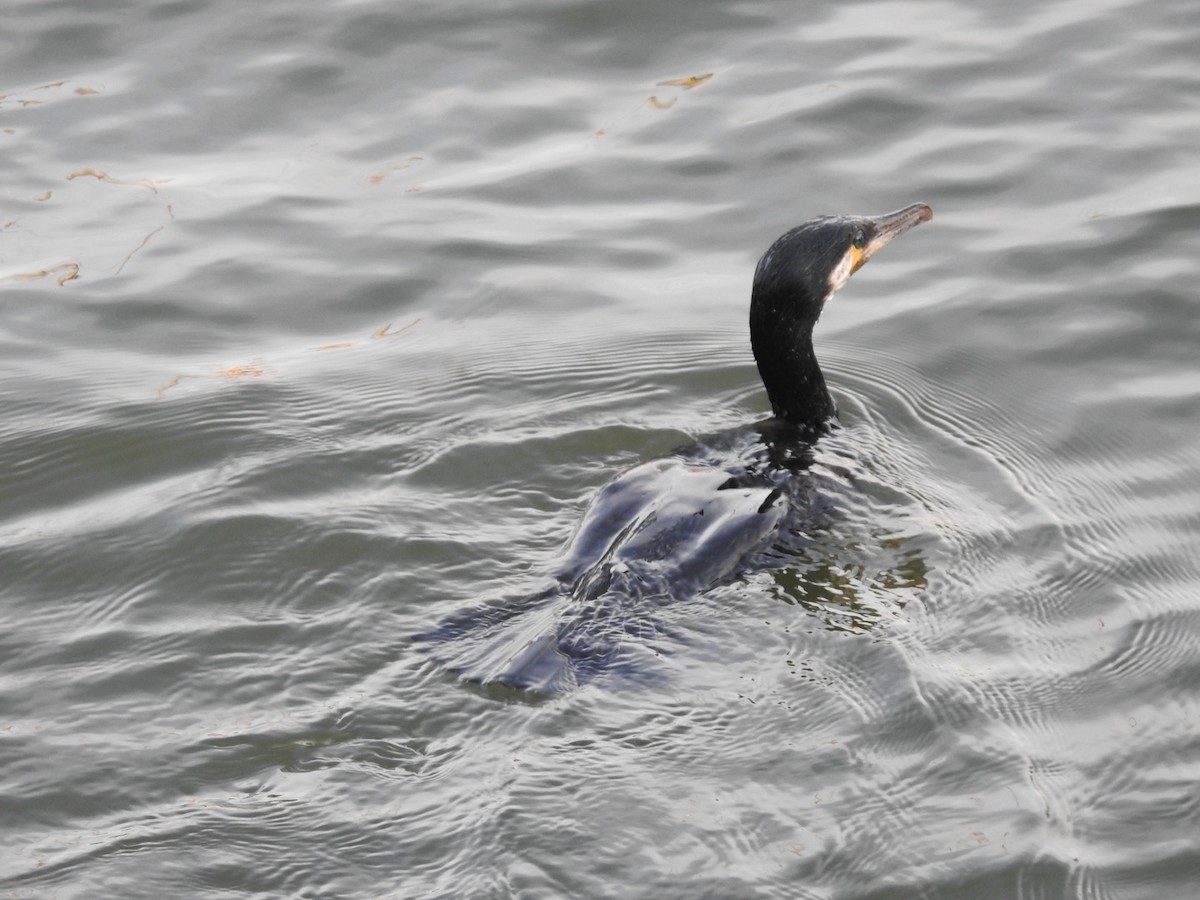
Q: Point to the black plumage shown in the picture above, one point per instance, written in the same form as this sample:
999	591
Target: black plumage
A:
700	517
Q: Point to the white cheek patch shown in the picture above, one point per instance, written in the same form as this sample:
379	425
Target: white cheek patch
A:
841	274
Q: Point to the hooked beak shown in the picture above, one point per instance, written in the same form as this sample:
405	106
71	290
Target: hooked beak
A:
882	230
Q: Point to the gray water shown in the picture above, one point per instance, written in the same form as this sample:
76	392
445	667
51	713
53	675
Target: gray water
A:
320	322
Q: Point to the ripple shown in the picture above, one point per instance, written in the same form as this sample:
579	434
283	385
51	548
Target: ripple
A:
368	302
1151	651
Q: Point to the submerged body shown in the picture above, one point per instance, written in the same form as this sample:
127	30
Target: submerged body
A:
662	531
701	517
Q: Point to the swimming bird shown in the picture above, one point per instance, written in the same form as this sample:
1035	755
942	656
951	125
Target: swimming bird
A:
706	514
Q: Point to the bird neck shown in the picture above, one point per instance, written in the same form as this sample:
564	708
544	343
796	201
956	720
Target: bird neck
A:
790	371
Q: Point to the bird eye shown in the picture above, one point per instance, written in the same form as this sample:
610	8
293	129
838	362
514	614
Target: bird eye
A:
860	240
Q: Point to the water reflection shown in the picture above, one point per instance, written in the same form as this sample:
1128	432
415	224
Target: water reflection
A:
852	588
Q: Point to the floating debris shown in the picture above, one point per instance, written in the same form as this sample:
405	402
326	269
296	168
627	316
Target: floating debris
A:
687	83
386	330
71	273
658	104
166	387
384	173
104	176
247	371
343	345
250	370
145	240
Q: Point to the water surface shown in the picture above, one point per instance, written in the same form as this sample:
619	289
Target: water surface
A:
319	325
